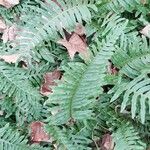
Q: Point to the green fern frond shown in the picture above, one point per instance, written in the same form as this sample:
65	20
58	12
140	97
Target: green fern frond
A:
119	6
16	85
126	138
82	82
61	137
136	95
133	61
10	15
81	139
7	105
51	18
124	133
70	138
11	140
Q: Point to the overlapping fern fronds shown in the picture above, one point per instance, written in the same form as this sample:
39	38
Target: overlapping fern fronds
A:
85	103
124	133
50	19
82	82
12	140
16	85
134	63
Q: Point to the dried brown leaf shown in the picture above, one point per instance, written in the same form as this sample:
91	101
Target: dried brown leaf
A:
9	3
75	44
9	34
49	81
37	132
107	142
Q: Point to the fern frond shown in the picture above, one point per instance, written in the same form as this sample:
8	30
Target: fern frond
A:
16	85
119	6
82	82
134	63
11	140
124	133
133	60
126	138
61	137
51	18
8	14
137	95
8	106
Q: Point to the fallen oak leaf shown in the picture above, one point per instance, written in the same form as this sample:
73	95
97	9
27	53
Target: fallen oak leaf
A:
38	133
9	3
75	42
49	81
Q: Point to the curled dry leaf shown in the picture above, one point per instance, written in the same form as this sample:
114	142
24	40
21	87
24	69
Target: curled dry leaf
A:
76	42
49	81
146	31
2	25
10	58
38	134
107	142
9	3
9	34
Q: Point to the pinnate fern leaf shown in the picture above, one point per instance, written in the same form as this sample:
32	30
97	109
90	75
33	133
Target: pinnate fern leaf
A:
82	82
16	85
12	140
50	19
127	138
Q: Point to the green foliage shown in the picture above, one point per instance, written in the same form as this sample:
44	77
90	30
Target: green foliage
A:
134	63
105	93
11	140
124	133
82	82
16	85
127	138
49	19
120	6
